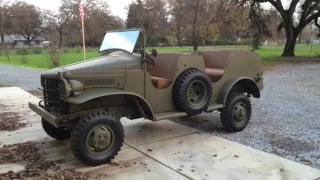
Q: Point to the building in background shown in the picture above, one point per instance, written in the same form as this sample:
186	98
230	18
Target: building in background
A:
316	41
19	42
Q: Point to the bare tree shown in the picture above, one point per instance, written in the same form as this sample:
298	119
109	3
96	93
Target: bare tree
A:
201	19
97	20
150	15
4	19
178	12
308	11
61	22
27	20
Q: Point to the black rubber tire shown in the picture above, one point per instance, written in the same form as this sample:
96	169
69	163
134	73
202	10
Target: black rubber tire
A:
181	87
84	126
227	120
58	134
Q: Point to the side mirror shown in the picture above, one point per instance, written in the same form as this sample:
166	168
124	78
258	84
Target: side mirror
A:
154	53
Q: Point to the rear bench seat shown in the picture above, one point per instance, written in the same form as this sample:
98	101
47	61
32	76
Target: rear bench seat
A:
215	63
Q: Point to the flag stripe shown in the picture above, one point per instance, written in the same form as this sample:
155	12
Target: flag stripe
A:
82	11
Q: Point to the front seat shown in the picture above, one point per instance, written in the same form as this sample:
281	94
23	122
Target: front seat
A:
161	83
162	75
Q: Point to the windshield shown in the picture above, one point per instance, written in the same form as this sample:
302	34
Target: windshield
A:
120	40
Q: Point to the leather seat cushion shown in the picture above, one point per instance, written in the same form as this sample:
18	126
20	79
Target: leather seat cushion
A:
161	83
215	74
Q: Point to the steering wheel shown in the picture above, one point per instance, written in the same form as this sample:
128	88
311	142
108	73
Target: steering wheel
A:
150	62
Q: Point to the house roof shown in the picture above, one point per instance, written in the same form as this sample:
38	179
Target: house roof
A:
12	38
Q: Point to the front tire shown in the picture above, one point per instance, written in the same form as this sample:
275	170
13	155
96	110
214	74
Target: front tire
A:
97	138
237	112
56	133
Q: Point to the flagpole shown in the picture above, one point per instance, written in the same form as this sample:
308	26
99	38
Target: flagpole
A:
82	14
83	39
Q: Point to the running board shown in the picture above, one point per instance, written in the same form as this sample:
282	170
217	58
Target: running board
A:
213	107
177	114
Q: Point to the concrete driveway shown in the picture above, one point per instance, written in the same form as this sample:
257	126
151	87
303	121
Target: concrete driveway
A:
162	150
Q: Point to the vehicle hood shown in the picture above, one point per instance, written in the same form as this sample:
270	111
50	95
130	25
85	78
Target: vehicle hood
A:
116	61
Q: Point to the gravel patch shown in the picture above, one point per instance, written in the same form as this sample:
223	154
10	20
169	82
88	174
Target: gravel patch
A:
26	79
36	93
35	166
285	121
9	121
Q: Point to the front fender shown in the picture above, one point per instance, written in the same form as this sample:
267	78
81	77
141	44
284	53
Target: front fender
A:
238	84
93	93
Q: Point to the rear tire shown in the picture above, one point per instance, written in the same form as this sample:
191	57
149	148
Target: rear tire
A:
237	112
97	138
192	92
56	133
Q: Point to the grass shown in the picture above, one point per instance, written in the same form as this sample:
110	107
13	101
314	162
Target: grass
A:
42	61
5	85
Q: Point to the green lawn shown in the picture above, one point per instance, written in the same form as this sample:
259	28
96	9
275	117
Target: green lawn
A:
42	61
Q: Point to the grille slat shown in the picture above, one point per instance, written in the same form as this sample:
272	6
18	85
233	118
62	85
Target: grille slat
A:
92	82
51	93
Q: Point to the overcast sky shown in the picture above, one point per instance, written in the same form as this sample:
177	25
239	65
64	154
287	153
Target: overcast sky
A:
117	7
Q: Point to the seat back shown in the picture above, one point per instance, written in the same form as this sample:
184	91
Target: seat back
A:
165	65
216	59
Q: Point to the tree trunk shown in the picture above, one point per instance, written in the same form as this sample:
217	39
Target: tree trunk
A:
60	37
290	47
29	43
292	35
195	45
145	40
195	38
2	37
179	39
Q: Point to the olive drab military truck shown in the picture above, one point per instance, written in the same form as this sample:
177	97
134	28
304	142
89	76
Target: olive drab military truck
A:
84	101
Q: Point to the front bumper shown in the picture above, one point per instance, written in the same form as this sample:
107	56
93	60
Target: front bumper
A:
52	119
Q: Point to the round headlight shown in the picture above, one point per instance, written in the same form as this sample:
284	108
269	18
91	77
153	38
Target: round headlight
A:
64	88
76	86
66	75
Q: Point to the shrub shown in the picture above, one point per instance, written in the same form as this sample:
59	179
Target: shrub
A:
78	49
54	56
24	59
37	50
256	43
65	50
22	52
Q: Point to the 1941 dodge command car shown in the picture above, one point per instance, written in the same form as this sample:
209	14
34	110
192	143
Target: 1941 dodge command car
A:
85	101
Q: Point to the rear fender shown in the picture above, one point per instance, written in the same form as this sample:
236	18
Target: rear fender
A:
243	85
139	102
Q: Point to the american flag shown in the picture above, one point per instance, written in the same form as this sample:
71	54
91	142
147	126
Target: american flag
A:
81	9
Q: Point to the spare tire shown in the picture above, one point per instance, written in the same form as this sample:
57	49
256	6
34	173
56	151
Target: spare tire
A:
192	92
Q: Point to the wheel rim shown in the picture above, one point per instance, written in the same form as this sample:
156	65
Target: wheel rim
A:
196	93
239	113
100	139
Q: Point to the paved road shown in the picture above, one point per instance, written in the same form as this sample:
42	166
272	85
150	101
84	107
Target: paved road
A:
27	79
285	121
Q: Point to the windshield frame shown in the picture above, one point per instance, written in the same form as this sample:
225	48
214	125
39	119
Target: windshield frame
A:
119	49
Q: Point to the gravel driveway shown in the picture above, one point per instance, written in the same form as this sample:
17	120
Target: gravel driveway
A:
285	121
27	79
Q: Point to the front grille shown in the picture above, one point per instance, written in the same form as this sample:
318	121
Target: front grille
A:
51	93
